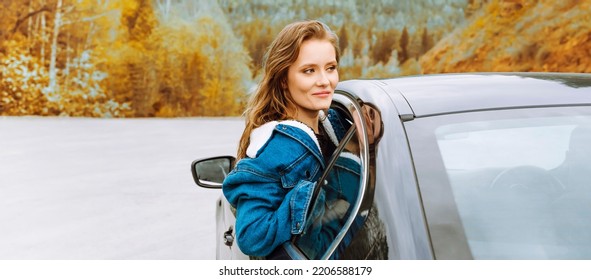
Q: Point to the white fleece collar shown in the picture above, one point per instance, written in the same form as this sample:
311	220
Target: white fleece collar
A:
328	128
260	135
258	138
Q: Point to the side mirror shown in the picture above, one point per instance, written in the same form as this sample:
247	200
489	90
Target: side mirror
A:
211	172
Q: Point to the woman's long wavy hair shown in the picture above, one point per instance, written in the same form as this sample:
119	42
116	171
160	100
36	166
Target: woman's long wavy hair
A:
271	102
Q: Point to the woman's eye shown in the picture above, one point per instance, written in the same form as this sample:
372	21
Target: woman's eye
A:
332	68
308	71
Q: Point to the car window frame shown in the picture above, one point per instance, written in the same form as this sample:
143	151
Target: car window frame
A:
353	106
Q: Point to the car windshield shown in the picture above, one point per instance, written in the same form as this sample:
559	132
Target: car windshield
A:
518	181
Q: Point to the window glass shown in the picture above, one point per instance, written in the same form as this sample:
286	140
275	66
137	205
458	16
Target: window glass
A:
521	182
336	198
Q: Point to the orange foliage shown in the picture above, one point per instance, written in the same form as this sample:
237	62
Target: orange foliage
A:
518	35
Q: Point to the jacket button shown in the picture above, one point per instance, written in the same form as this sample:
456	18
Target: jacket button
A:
297	225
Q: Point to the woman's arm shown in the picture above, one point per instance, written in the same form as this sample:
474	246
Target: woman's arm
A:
266	214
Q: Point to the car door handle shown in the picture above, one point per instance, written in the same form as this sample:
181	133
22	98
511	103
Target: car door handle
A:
228	237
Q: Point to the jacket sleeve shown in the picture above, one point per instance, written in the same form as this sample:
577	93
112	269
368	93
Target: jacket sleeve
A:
267	213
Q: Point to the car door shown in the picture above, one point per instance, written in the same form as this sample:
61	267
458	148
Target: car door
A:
345	191
226	247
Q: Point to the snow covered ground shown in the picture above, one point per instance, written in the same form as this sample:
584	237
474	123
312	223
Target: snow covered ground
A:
82	188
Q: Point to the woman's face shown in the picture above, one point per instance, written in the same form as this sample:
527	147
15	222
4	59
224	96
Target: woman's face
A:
312	78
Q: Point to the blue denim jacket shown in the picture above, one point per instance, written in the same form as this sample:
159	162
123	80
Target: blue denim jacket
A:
272	189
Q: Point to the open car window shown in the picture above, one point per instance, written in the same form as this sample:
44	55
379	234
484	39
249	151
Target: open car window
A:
343	196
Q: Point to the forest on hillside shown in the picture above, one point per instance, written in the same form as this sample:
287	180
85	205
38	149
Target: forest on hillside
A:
181	58
518	36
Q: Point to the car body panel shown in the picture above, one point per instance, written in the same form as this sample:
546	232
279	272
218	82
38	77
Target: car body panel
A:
397	197
453	93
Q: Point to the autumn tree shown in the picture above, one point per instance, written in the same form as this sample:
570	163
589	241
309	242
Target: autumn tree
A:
22	74
426	41
191	64
256	35
343	39
138	19
403	51
44	70
384	45
22	79
226	78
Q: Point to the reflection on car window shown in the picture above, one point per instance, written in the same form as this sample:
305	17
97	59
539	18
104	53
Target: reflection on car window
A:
335	200
522	186
214	170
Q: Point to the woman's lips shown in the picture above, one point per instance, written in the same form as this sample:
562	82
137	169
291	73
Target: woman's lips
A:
322	93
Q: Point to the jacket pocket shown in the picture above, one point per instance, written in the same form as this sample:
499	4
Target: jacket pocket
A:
305	168
299	205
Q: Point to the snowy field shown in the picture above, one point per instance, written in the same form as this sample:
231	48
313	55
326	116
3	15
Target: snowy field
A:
80	188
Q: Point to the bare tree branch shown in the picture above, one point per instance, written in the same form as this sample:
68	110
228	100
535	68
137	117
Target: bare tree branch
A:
33	13
89	19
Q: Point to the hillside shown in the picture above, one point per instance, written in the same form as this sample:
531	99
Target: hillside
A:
517	35
376	37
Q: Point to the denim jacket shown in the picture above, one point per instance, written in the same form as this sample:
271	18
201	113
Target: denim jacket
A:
272	187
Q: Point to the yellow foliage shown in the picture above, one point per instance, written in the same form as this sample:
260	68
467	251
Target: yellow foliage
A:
225	89
138	18
185	68
22	80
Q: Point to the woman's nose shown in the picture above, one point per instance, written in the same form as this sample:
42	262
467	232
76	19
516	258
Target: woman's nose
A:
322	79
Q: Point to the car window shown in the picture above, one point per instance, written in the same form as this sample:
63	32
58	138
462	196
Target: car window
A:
517	179
337	193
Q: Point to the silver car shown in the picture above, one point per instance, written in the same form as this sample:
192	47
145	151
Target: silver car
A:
455	166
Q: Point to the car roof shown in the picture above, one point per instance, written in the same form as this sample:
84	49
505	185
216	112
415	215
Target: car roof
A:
435	94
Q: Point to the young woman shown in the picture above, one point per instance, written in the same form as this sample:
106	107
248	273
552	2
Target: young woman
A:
290	134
